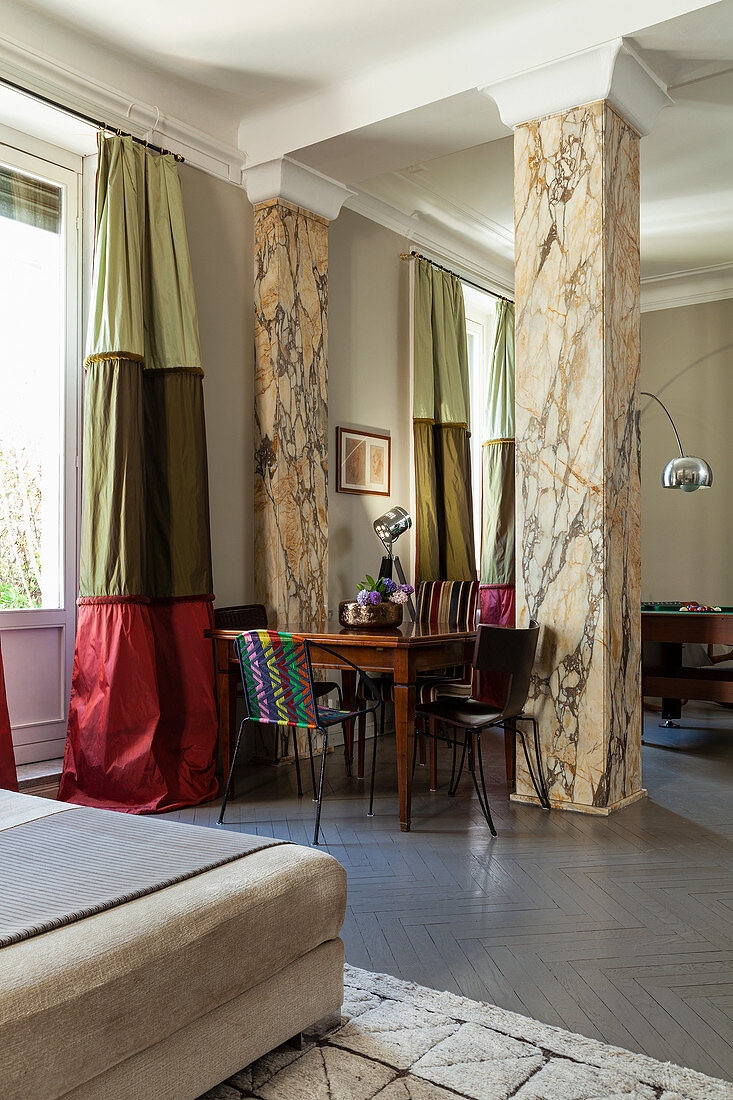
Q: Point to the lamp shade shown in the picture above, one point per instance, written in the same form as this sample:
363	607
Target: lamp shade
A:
391	525
687	473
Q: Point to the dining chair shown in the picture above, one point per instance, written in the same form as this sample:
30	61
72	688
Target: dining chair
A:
456	604
253	616
501	649
277	678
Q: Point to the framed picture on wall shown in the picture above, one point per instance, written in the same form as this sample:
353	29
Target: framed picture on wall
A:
363	462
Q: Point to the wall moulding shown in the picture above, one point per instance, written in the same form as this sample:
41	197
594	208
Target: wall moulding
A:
613	72
289	180
39	73
687	288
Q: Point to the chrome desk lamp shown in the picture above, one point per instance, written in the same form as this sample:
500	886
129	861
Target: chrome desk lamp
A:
686	472
389	527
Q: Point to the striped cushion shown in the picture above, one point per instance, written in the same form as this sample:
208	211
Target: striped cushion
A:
454	603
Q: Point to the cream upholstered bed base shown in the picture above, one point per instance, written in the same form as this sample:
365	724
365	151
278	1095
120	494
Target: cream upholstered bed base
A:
207	1051
171	993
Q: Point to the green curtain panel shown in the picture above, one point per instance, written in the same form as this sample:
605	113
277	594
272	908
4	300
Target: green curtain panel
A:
441	412
142	732
146	512
497	507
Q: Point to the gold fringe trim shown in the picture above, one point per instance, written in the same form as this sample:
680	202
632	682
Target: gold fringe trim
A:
440	423
491	442
116	356
109	356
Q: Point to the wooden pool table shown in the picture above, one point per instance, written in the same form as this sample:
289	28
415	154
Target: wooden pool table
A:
664	628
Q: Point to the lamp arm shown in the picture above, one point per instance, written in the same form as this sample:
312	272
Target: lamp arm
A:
645	393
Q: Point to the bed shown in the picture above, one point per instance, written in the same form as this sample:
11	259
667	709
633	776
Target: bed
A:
158	991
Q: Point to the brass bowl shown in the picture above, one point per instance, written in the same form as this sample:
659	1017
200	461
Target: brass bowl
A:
370	616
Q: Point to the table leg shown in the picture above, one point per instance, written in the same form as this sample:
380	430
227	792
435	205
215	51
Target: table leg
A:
510	755
404	704
671	662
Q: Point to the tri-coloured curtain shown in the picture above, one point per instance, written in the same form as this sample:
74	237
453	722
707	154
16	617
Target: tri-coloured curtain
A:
142	731
441	418
497	599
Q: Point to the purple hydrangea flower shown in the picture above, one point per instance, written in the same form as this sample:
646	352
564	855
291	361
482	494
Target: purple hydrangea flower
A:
389	585
400	596
374	598
407	588
363	597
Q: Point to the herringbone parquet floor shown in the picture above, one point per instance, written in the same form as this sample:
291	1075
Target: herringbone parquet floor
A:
620	928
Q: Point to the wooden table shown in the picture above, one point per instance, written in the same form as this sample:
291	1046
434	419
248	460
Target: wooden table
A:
669	679
400	653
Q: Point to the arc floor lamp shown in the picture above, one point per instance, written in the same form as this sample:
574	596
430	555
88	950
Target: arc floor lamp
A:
685	472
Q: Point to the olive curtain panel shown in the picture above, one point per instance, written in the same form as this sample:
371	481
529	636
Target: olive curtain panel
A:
441	416
142	731
496	594
497	507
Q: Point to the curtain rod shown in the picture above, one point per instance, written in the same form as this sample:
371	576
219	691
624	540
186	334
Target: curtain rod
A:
87	118
419	256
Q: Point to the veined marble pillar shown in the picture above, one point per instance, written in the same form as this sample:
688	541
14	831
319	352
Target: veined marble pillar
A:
577	294
578	451
293	206
291	412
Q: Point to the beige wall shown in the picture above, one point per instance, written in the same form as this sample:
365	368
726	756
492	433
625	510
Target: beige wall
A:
368	386
220	236
687	538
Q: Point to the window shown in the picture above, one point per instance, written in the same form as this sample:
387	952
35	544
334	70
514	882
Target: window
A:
480	325
39	418
32	410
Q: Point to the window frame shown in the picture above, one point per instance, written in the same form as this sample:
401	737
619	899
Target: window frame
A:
25	153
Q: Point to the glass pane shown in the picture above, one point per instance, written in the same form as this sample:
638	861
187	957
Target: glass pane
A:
31	389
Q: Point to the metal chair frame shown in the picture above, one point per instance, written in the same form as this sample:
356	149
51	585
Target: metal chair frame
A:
507	718
322	728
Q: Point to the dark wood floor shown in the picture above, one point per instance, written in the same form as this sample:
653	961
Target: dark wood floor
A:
620	928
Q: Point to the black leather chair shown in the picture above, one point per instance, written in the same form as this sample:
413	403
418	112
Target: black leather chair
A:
498	649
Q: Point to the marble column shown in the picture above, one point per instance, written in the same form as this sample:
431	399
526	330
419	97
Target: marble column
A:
291	412
578	449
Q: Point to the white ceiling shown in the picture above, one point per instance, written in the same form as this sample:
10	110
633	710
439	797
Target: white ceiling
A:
383	97
260	52
686	186
686	162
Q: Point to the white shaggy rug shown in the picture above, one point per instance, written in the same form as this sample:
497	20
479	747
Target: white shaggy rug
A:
400	1041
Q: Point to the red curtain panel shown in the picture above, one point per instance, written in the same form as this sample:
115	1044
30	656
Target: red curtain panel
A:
8	777
497	603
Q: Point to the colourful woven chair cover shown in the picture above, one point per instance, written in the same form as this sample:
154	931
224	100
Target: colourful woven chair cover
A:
277	680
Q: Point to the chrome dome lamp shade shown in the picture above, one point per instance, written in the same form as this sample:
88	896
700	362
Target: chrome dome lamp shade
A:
686	472
388	528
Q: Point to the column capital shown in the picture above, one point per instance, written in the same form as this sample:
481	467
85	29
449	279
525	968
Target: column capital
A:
613	72
287	179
